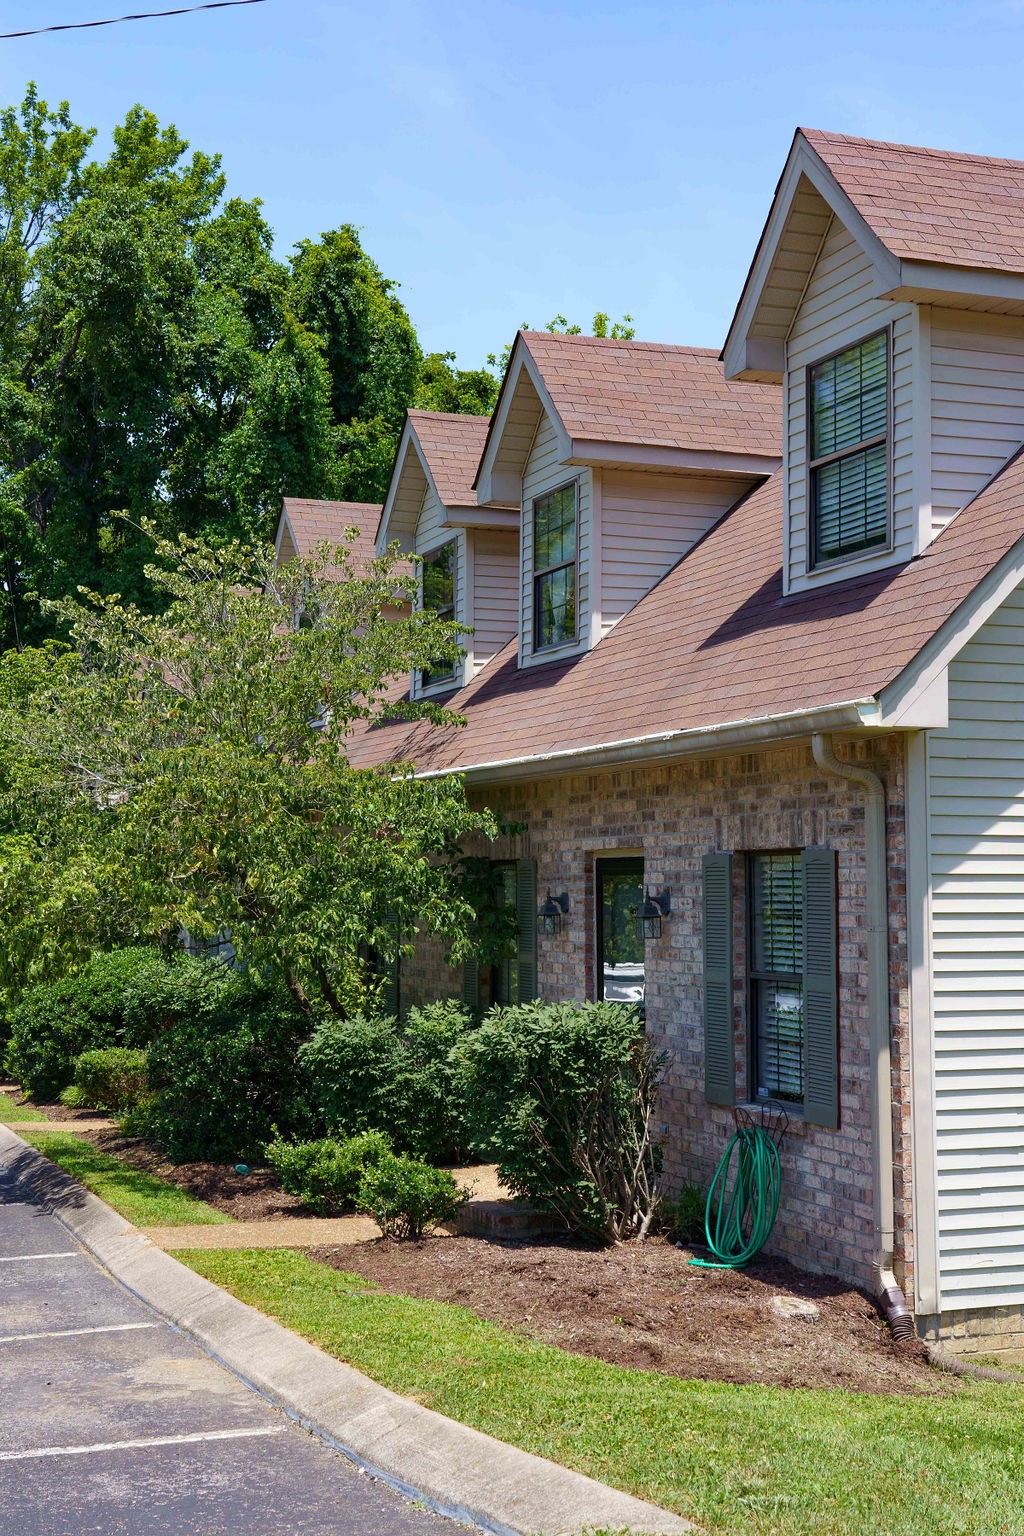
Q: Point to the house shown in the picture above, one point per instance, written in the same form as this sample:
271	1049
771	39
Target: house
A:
765	672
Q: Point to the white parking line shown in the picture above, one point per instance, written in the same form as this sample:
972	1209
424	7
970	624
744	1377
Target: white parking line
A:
24	1258
144	1445
75	1333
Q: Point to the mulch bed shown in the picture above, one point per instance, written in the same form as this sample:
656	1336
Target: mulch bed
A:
646	1307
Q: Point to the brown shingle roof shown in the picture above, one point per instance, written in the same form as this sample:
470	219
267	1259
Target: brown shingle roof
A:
716	642
930	204
645	393
452	446
314	522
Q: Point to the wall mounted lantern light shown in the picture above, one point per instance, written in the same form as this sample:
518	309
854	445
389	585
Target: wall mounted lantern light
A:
552	910
647	921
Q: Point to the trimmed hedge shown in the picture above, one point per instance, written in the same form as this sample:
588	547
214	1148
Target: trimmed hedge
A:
114	1079
363	1074
326	1174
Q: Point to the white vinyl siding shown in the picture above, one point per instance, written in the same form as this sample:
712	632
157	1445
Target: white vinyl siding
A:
544	472
977	406
976	858
838	310
647	522
494	597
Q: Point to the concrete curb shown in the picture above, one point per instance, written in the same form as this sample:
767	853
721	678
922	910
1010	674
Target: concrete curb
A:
456	1470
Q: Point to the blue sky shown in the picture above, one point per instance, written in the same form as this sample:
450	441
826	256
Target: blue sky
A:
511	159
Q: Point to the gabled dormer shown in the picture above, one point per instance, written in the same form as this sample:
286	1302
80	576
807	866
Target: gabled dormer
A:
470	553
887	297
620	455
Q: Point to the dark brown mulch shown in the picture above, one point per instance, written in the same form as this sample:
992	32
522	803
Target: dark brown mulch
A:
254	1196
647	1307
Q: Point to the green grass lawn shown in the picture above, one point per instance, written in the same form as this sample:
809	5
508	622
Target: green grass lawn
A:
734	1459
9	1111
140	1197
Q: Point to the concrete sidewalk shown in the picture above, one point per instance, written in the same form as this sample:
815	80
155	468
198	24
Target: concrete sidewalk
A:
456	1470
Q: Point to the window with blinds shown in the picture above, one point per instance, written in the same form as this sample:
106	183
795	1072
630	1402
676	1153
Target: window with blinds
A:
849	451
776	976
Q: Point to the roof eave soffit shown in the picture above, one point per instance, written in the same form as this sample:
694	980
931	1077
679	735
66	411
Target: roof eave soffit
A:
500	477
401	509
752	350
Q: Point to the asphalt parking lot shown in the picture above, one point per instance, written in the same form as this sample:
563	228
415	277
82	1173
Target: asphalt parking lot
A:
113	1424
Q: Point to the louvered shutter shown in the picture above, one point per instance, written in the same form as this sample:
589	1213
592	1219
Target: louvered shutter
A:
719	1040
390	996
821	988
471	983
526	911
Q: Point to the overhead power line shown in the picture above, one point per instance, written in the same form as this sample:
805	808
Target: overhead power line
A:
112	21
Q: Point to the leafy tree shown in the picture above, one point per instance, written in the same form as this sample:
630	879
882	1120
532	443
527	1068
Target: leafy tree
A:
188	769
462	391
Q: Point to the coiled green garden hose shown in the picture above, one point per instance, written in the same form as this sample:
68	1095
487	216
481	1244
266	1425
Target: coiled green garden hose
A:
743	1201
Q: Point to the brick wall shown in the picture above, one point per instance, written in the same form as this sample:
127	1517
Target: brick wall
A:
775	799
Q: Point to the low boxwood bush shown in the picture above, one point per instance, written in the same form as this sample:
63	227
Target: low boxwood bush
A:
126	997
367	1073
406	1198
114	1079
222	1082
326	1174
683	1216
561	1097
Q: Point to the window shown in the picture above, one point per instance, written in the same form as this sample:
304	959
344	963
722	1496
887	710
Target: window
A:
776	976
620	890
849	446
439	597
554	569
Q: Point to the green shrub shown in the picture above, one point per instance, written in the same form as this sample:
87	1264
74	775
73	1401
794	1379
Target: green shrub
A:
73	1097
406	1198
374	1073
562	1099
124	998
139	1121
114	1079
683	1216
326	1174
222	1082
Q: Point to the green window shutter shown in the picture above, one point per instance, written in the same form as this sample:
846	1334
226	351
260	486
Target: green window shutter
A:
390	996
471	983
821	988
719	1038
526	911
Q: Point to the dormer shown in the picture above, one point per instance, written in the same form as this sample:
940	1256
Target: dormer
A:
619	455
304	524
470	552
886	296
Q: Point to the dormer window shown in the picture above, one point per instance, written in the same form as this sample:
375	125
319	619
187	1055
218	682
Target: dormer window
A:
438	597
849	468
554	569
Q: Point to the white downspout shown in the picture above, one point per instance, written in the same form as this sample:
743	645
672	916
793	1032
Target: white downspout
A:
877	928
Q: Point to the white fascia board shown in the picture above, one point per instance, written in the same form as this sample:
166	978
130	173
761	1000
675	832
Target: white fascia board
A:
282	524
384	534
505	485
654	456
669	746
803	161
408	446
931	661
924	282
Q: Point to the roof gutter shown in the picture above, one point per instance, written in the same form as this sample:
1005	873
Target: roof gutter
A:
670	746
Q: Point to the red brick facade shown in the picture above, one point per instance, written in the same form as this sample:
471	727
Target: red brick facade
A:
759	801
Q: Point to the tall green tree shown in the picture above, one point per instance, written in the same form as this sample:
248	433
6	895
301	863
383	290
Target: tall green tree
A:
187	767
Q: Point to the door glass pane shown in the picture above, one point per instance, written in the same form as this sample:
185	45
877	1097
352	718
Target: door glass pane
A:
620	890
506	973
